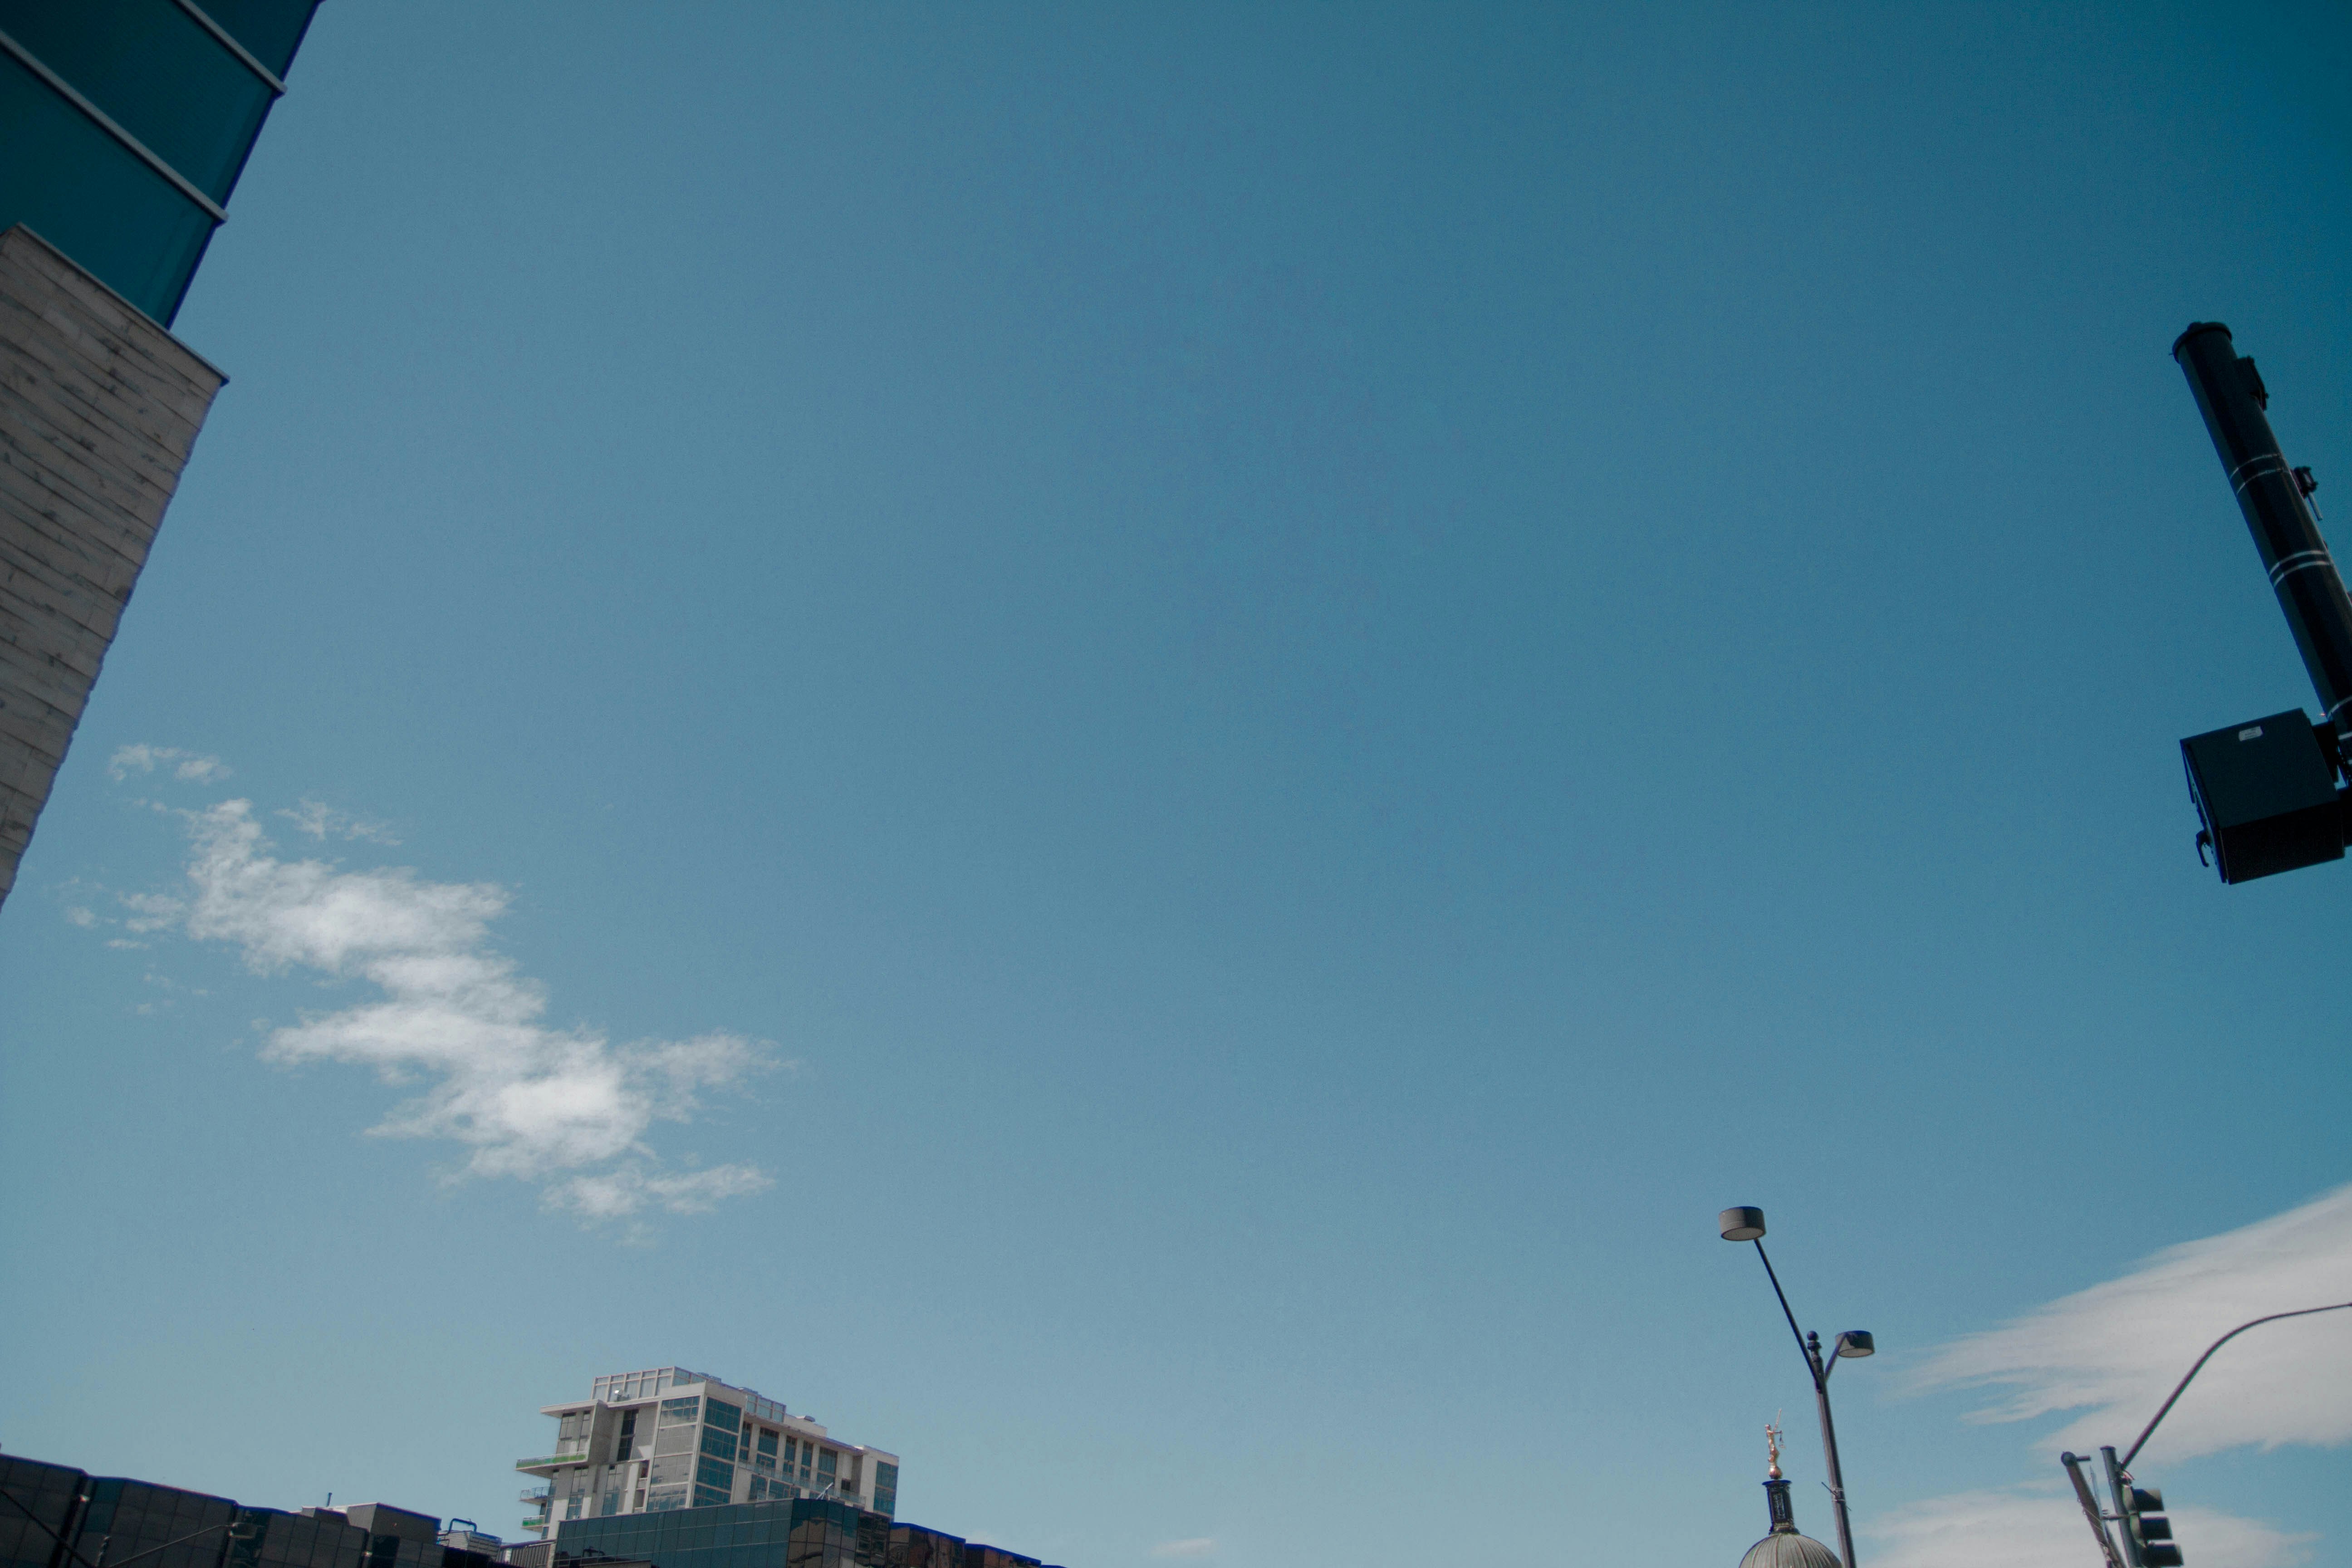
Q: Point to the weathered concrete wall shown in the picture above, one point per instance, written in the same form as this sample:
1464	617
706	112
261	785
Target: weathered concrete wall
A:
99	406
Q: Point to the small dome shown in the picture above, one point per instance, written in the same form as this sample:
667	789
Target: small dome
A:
1787	1549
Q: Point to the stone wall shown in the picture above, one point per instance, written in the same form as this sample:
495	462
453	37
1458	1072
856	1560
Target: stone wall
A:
99	407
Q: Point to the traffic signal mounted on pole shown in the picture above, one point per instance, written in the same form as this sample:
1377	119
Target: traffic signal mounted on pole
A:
2265	789
2147	1534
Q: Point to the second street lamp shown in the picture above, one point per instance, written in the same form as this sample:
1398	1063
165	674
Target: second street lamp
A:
1747	1224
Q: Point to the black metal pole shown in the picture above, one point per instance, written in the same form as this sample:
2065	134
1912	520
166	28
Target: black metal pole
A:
2231	397
1830	1447
1812	1350
2116	1484
2150	1430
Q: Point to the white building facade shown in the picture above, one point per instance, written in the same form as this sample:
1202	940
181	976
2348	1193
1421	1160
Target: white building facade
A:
644	1442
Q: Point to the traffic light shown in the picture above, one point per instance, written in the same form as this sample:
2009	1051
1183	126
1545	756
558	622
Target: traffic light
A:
2147	1534
2265	789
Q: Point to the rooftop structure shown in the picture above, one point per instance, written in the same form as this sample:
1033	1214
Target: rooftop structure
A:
807	1532
648	1442
61	1512
1783	1547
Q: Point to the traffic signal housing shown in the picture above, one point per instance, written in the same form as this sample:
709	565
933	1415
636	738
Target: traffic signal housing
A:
2265	790
2147	1534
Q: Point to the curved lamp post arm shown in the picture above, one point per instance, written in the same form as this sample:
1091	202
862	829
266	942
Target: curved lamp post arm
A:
1794	1333
2167	1408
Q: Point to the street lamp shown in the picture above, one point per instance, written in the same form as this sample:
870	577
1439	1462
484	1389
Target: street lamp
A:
1747	1224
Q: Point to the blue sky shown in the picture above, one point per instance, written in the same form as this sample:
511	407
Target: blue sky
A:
1204	718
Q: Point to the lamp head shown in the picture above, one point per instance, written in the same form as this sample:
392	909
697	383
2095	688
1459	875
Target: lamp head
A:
1856	1344
1741	1225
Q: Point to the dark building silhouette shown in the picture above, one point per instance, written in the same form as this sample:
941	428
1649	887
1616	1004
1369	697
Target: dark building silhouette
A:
53	1516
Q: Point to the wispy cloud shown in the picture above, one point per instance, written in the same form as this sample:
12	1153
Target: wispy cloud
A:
2029	1527
187	765
321	821
567	1109
2114	1351
1197	1546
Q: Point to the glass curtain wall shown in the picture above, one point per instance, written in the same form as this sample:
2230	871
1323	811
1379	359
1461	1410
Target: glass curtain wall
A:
127	123
44	1498
131	1517
806	1532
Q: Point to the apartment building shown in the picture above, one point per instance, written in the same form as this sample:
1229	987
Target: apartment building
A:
647	1442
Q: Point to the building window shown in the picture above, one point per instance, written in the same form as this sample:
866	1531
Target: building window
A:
718	1413
626	1445
679	1412
718	1445
715	1475
886	1487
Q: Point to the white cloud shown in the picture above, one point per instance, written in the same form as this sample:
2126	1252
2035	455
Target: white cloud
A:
1198	1546
608	1195
2116	1350
2031	1528
186	765
319	820
565	1108
152	912
78	914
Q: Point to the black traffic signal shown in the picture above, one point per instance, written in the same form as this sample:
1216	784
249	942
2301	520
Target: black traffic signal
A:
2147	1534
2265	789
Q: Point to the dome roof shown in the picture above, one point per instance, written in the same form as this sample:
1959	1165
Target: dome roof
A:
1787	1549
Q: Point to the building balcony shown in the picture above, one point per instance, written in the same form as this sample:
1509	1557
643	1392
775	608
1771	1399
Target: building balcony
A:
536	1494
539	1523
552	1462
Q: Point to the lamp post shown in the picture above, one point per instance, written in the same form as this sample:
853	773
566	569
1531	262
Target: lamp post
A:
1747	1224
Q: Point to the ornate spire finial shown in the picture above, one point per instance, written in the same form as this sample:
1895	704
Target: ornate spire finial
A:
1772	1443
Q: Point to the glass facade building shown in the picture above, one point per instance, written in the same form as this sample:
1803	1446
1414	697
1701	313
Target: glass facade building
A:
678	1469
127	123
799	1532
668	1438
37	1505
